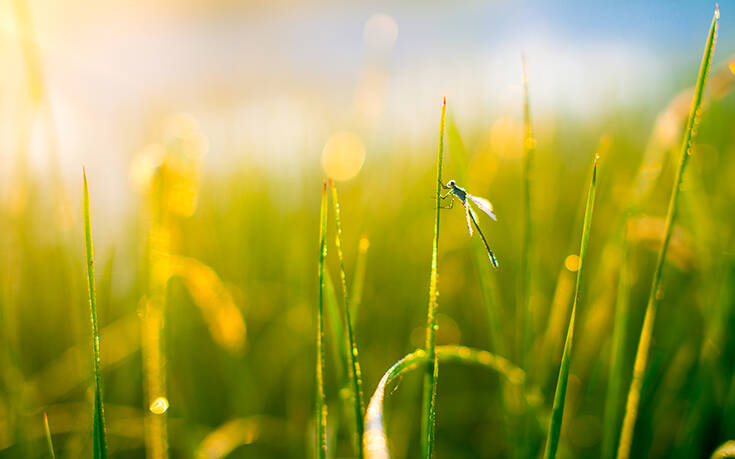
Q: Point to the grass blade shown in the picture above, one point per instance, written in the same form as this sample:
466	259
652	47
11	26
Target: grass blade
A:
321	404
529	147
432	369
644	343
615	380
375	442
355	375
557	410
47	431
99	440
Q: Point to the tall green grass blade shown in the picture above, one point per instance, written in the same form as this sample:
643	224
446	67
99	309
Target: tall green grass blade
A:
432	369
99	440
644	343
524	303
557	410
375	442
49	441
615	379
355	374
321	403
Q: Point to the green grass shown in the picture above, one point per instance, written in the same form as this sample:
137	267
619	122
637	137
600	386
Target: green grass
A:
376	444
99	436
354	369
557	410
49	441
644	342
321	403
432	369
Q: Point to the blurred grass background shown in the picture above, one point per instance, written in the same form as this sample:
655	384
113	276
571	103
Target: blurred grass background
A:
205	217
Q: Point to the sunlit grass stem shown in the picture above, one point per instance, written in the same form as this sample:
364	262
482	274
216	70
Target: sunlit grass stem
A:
321	404
355	373
49	441
557	410
432	369
99	438
644	343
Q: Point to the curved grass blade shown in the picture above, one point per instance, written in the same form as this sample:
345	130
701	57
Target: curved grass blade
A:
726	449
375	442
321	404
432	369
355	374
644	342
557	410
99	439
50	442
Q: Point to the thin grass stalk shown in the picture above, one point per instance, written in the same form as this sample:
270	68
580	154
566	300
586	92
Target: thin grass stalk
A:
99	439
615	380
49	441
432	369
321	403
529	147
355	374
644	343
358	284
557	410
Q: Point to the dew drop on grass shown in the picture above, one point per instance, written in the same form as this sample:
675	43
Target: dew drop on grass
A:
159	405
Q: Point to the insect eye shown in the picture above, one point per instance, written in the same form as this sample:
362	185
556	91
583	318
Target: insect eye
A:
450	183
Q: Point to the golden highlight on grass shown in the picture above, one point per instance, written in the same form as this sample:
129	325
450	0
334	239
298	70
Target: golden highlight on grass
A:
99	438
375	443
321	404
432	369
49	441
644	343
557	410
355	375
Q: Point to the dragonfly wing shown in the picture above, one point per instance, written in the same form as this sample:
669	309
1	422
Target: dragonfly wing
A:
484	205
467	211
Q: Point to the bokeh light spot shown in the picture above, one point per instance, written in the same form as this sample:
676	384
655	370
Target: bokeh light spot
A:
572	262
343	156
159	405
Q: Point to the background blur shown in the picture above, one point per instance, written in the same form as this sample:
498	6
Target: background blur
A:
207	128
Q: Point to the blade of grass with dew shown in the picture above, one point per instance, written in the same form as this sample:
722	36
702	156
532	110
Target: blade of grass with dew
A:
644	343
355	374
321	404
557	410
49	441
615	378
432	369
375	442
99	439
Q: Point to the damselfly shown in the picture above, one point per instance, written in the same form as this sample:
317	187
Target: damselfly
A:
482	203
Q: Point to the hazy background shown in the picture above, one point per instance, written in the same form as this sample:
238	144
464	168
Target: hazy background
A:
207	129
